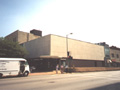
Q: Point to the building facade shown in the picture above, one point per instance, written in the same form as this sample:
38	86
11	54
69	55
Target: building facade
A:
54	48
53	45
115	54
21	37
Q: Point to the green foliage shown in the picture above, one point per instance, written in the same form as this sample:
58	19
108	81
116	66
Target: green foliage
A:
11	49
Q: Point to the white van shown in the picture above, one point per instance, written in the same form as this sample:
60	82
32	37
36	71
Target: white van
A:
14	67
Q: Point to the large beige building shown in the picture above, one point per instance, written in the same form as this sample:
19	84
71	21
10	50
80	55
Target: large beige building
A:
52	46
55	46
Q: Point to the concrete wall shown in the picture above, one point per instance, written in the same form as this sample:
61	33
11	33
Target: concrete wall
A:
24	37
58	46
21	37
78	49
38	47
115	52
53	45
13	36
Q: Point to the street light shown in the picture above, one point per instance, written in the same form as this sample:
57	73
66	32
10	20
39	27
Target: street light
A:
67	43
67	61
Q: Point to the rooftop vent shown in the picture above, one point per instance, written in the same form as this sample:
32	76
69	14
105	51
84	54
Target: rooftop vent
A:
36	32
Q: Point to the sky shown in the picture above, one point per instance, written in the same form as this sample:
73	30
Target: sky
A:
89	20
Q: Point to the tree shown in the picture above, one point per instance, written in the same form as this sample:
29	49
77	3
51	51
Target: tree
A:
11	49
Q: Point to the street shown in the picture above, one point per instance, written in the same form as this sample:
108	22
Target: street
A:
106	80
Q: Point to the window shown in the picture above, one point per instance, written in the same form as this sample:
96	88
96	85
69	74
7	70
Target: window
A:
22	63
107	55
117	56
112	55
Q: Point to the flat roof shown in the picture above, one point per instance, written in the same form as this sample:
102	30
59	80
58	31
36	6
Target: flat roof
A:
45	56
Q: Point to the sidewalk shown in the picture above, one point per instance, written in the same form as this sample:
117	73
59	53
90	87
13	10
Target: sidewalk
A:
79	69
44	73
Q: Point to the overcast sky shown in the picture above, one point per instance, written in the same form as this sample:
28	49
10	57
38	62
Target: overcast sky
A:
89	20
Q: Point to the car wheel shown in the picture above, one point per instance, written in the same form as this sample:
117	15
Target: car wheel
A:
26	74
1	75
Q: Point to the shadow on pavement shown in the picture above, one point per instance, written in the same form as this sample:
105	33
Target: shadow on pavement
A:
115	86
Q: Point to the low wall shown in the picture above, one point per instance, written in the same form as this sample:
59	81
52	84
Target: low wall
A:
89	69
87	63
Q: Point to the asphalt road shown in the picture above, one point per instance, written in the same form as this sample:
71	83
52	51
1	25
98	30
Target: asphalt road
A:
107	80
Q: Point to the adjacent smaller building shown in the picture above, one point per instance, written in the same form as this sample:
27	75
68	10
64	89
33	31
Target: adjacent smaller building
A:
112	55
115	54
21	37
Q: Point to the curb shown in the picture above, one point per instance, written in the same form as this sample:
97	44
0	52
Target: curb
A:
44	73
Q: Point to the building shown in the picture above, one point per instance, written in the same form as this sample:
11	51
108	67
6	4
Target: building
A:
51	49
45	52
21	37
115	54
53	45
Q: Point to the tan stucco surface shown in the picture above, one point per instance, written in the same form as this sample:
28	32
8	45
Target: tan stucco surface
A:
21	37
53	45
78	49
38	47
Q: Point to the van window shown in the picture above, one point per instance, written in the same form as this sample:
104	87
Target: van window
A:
26	63
22	63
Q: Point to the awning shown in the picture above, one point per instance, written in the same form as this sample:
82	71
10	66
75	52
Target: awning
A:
53	57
